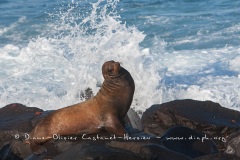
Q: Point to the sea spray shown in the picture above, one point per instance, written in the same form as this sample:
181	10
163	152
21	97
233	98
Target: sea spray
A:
55	67
173	49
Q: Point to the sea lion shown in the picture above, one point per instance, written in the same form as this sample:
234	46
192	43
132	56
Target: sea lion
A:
105	111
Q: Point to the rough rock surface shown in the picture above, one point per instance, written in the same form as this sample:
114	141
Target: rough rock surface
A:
188	142
205	116
219	156
233	144
200	117
15	119
96	151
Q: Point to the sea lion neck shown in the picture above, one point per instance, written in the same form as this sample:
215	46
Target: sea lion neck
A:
109	86
112	77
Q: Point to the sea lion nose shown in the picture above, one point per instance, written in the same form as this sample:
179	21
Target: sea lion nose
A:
109	68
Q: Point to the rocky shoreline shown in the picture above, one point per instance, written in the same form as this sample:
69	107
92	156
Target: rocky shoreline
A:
177	130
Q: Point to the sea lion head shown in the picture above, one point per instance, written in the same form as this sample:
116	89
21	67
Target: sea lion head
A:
111	69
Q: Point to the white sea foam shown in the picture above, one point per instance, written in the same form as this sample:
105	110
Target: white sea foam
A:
220	89
4	29
234	63
51	70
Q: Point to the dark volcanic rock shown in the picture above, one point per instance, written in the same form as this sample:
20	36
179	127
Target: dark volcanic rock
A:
188	142
17	116
95	152
219	156
158	152
133	119
149	149
15	121
5	151
6	154
39	117
205	116
233	144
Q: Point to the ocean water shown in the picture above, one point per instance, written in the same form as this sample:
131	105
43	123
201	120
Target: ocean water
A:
52	50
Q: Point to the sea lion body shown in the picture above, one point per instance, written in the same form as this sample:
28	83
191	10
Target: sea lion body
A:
104	111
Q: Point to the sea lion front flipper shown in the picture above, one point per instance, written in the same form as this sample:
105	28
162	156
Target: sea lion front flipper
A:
38	149
114	126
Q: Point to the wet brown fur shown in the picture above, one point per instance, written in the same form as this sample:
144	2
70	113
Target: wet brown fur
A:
104	111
